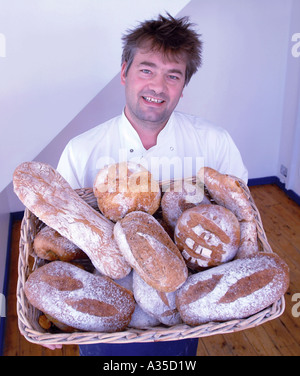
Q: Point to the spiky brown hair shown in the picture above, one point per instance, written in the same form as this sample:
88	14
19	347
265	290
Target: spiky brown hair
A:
173	37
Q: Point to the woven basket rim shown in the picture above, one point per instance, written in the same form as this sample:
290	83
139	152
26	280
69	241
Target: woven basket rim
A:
27	314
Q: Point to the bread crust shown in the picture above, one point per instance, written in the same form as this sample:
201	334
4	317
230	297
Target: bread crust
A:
180	196
226	191
49	245
234	290
160	305
150	251
207	235
50	198
79	299
125	187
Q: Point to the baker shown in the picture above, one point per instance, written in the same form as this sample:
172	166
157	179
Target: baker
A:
159	58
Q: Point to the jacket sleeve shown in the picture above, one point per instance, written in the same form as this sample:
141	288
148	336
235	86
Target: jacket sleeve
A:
229	158
67	168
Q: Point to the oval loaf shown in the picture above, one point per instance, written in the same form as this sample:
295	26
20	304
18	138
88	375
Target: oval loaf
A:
150	251
79	299
234	290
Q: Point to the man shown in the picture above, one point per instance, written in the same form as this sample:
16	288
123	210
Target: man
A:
159	58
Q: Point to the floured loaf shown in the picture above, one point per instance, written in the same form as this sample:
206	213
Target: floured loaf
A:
79	299
150	251
207	235
234	290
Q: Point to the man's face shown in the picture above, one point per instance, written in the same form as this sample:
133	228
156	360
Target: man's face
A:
153	87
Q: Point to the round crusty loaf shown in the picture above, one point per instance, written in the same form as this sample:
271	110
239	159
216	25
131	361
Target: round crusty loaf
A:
226	191
207	235
180	196
50	198
150	251
49	245
79	299
234	290
160	305
125	187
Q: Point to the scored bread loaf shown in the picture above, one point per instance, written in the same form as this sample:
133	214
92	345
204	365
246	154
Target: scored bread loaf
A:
207	235
150	251
234	290
125	187
50	198
226	191
78	298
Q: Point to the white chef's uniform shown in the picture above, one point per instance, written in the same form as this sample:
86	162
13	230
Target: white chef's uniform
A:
184	145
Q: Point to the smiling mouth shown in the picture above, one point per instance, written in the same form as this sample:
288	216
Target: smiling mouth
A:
153	100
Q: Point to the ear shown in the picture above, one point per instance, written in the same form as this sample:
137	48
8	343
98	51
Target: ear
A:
123	75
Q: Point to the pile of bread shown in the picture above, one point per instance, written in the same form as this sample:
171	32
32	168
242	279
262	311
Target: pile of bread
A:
159	256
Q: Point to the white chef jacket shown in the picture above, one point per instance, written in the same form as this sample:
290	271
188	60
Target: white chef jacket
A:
183	146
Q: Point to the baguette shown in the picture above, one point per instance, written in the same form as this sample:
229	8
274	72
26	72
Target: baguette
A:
50	198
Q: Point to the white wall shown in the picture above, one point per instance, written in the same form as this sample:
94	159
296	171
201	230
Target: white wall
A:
289	154
241	84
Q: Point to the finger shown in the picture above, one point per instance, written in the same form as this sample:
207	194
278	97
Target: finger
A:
53	347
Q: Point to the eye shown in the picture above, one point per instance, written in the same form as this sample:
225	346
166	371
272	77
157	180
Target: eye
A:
146	71
172	77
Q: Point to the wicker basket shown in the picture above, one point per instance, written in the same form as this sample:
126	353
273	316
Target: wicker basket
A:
28	315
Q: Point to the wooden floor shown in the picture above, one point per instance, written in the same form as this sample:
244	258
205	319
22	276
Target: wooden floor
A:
280	337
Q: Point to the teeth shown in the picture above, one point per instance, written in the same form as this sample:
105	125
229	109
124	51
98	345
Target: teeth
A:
149	99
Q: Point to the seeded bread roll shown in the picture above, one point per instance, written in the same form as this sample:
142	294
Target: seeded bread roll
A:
79	299
50	198
125	187
150	251
234	290
49	245
207	235
226	191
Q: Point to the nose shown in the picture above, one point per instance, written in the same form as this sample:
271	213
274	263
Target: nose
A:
157	84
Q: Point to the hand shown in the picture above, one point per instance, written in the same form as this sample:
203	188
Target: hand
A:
53	347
